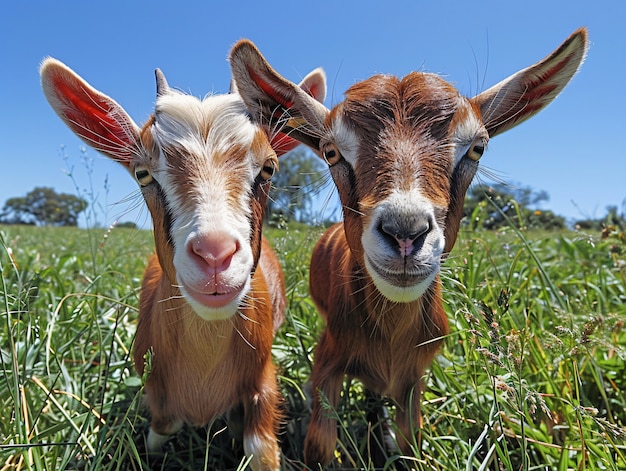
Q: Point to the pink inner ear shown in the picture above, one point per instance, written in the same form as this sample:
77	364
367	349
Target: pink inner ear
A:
282	143
269	90
544	85
89	115
312	90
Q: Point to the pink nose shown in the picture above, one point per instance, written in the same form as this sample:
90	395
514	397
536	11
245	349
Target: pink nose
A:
215	249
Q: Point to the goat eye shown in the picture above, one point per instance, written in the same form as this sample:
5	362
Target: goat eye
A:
268	169
476	150
331	154
143	176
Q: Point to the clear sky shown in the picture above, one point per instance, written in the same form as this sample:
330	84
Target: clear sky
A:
572	150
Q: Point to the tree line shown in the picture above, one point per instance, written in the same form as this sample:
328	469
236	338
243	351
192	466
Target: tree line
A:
292	199
43	206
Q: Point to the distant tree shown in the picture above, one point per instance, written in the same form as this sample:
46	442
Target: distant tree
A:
291	196
45	207
490	203
612	218
127	225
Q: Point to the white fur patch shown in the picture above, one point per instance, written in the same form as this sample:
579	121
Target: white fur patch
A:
156	441
259	447
464	134
396	293
346	141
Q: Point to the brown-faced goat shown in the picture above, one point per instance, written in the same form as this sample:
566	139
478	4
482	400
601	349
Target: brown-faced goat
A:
402	153
213	295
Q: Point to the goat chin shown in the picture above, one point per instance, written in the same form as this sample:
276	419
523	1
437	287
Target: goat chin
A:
400	289
214	307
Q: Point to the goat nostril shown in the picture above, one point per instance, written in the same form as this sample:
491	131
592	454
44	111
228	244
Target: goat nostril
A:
420	231
389	231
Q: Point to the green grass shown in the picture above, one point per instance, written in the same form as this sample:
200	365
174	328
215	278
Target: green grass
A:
532	376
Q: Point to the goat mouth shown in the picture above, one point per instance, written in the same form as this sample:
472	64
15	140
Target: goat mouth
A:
214	300
403	278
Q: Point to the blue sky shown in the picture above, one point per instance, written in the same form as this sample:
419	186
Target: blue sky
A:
572	150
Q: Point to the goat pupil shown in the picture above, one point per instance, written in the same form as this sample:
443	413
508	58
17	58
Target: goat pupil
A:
141	174
330	154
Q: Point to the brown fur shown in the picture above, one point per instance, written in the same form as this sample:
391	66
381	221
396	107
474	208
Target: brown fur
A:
200	369
388	348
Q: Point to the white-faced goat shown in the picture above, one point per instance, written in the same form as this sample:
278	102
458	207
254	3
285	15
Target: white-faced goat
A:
213	295
402	153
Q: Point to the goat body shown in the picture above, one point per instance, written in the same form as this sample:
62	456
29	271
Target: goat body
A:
402	153
213	295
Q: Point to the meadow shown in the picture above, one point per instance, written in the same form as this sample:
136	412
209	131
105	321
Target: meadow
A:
532	375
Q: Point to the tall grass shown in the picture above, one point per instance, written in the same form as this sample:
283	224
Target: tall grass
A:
532	375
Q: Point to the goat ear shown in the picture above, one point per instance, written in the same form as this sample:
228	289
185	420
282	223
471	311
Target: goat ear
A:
293	113
315	84
94	117
530	90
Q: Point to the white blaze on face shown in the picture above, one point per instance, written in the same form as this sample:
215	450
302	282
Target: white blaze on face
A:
206	169
402	179
398	277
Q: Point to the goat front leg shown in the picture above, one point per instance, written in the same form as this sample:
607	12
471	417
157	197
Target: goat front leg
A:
327	379
409	418
160	431
162	425
261	420
382	441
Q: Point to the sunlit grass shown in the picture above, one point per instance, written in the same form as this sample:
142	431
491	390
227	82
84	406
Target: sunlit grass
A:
532	375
